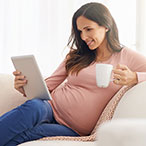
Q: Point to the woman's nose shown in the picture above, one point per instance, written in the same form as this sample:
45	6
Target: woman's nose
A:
84	36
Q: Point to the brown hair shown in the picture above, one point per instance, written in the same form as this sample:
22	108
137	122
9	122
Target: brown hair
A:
81	56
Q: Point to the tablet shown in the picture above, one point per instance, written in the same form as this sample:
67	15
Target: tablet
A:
36	86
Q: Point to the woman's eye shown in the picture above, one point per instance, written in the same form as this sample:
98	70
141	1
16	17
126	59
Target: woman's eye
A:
88	29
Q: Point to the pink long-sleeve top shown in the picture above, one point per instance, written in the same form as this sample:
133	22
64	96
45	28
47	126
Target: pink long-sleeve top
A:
78	102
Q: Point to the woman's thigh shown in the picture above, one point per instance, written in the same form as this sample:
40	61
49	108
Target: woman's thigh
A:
26	116
40	131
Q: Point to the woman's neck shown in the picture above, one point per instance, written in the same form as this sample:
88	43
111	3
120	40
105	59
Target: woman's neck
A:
103	54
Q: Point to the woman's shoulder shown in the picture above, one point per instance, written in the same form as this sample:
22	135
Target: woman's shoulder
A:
130	54
128	51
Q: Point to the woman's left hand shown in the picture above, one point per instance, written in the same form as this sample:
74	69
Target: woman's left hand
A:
124	76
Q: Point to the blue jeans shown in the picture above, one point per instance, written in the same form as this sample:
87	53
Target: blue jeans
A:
32	120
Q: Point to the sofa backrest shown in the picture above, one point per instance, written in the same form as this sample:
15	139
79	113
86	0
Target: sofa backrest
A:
9	97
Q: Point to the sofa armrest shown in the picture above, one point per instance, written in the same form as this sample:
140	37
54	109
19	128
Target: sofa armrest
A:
128	125
122	132
9	97
133	103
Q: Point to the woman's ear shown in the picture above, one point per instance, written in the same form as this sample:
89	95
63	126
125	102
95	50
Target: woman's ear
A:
106	30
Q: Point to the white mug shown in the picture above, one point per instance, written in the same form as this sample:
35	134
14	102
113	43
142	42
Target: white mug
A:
103	75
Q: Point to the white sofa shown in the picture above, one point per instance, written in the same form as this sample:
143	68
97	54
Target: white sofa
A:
127	128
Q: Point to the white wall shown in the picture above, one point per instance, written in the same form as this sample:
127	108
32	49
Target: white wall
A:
141	26
42	28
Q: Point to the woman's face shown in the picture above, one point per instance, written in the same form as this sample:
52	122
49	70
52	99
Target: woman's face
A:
91	32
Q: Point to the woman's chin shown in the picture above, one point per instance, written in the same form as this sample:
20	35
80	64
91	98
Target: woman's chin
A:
92	48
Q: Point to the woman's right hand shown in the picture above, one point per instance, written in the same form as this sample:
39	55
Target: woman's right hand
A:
19	82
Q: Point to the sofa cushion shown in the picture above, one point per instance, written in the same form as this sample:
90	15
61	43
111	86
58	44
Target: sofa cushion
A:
58	143
123	132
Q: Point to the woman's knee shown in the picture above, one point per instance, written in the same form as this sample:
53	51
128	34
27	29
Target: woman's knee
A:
33	105
39	109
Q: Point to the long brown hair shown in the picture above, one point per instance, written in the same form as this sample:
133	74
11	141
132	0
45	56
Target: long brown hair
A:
80	56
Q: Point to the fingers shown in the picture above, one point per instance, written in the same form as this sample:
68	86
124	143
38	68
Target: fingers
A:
120	74
122	67
19	82
119	82
15	73
120	71
19	77
124	76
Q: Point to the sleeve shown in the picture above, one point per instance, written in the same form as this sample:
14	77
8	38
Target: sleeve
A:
57	77
137	63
